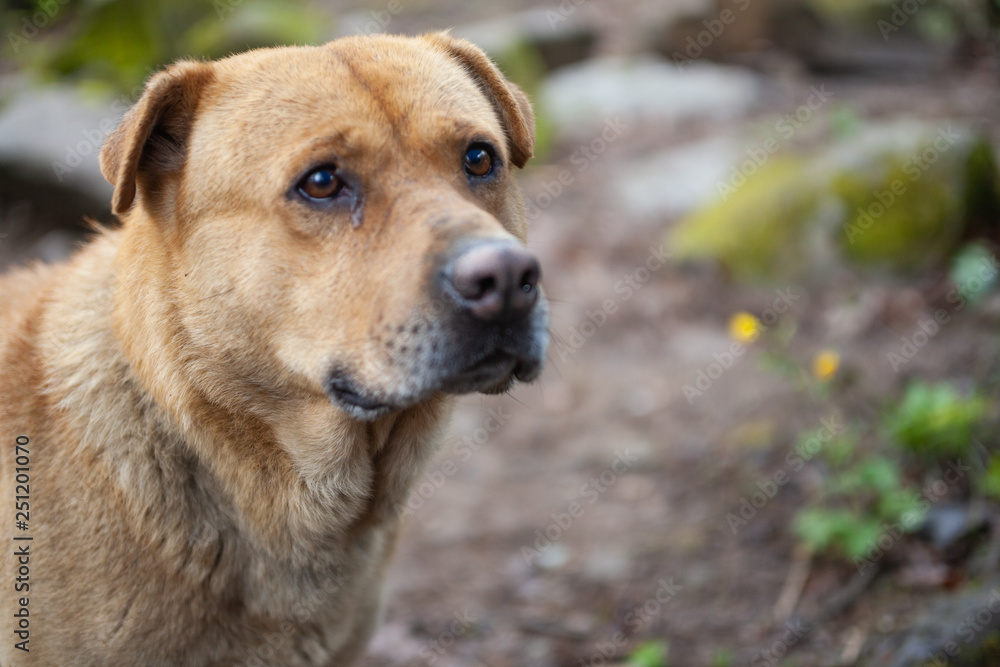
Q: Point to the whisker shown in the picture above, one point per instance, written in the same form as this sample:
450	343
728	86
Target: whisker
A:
212	296
513	398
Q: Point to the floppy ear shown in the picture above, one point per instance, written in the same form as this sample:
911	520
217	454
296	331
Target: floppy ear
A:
509	102
151	139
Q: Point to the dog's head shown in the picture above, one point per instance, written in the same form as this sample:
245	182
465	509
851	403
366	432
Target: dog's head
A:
343	219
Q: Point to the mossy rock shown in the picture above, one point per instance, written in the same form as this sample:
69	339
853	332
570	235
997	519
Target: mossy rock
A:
901	219
897	197
756	226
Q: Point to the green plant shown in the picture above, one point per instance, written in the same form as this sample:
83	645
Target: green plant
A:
855	506
861	493
117	43
936	421
866	490
973	272
989	483
649	654
722	657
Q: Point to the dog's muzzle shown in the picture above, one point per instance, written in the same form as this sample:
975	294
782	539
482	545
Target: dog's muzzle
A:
486	328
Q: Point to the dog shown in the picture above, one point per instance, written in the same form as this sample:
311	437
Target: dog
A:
213	414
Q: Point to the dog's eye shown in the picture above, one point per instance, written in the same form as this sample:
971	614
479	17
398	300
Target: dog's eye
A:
321	183
478	161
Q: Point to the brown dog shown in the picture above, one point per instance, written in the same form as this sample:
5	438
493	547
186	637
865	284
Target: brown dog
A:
211	416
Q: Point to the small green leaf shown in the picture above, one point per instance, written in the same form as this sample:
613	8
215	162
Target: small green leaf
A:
649	654
990	481
935	420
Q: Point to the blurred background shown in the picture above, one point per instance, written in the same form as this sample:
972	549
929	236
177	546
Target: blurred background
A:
767	432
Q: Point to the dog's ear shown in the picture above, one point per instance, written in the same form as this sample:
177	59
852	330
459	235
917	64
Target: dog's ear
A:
152	137
510	103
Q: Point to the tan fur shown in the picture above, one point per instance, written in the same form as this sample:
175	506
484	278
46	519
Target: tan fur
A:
196	497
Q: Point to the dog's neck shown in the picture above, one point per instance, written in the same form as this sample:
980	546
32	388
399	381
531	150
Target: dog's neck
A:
328	476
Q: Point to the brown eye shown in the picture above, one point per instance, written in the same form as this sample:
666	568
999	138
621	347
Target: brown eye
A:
321	183
478	161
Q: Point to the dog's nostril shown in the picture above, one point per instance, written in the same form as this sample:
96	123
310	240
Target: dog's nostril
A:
486	285
529	280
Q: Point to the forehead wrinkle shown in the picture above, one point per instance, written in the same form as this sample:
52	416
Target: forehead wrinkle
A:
432	82
344	143
384	102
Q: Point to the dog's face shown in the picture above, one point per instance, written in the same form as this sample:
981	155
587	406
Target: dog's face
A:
351	209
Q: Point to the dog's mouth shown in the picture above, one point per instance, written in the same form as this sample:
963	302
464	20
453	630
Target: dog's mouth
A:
344	392
461	361
493	372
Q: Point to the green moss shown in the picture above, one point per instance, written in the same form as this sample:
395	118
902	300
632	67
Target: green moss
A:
981	194
899	197
753	231
904	218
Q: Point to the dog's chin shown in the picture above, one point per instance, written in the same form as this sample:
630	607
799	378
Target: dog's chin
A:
495	373
492	374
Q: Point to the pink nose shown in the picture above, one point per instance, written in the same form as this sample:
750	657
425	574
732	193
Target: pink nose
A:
496	281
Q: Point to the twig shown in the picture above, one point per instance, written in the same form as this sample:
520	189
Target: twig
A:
795	583
852	648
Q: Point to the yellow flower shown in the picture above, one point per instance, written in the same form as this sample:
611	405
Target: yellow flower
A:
744	327
825	364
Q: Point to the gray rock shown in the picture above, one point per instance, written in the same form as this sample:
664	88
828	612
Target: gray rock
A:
959	631
678	180
948	523
582	97
56	131
561	35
